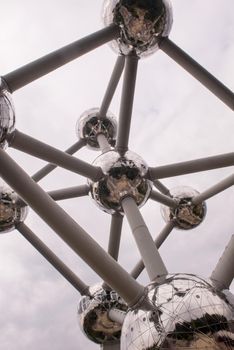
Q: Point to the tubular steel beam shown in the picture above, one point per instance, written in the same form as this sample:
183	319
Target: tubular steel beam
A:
68	193
117	315
161	198
114	346
163	189
212	191
192	166
115	235
47	169
137	270
152	260
111	88
103	143
126	106
223	274
69	275
198	72
44	65
85	246
50	154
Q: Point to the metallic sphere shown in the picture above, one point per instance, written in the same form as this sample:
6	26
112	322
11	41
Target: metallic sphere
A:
142	24
187	313
187	215
7	115
11	211
93	315
123	176
89	126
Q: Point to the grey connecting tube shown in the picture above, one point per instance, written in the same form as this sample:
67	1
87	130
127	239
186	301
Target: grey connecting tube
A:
84	245
198	72
46	64
223	274
57	263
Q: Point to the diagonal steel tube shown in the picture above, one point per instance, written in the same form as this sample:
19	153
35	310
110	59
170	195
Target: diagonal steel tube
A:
115	235
191	166
126	106
223	274
198	72
111	88
84	245
48	168
212	191
68	193
163	199
139	267
163	189
50	154
152	260
67	273
44	65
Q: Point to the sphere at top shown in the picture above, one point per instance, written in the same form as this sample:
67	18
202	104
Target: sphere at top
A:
187	313
93	315
142	24
7	115
123	176
187	215
11	211
89	126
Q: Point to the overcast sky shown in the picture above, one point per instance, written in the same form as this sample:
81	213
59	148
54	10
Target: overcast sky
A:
174	119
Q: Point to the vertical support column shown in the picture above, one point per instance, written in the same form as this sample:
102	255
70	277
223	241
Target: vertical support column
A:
126	106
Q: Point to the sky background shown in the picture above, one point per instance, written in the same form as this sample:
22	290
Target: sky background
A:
174	119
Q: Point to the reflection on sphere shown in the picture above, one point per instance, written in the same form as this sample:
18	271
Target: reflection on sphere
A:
7	115
11	212
187	215
187	313
141	22
123	176
93	315
89	126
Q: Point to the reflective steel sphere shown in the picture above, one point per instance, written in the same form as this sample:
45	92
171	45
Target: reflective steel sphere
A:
11	212
123	176
141	22
89	126
7	115
93	315
187	215
187	313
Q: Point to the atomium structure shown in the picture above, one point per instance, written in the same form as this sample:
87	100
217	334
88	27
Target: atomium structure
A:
174	311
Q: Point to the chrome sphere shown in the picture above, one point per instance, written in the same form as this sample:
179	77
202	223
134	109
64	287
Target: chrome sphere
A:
123	176
89	126
93	315
187	215
7	115
11	211
142	24
187	313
